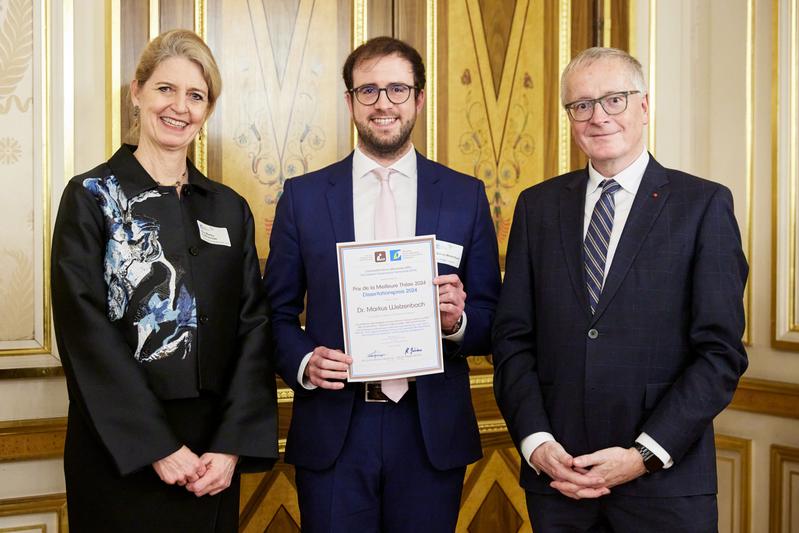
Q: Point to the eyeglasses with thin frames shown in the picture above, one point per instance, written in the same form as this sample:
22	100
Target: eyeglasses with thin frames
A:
612	104
369	94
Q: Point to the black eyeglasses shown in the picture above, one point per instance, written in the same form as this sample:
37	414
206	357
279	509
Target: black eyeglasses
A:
612	104
369	94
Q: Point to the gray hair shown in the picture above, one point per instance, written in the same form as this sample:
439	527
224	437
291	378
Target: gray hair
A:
591	55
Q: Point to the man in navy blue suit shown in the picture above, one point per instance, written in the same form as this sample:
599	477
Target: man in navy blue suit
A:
382	456
617	338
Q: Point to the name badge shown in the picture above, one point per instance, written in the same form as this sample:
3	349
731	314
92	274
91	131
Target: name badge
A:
448	253
213	235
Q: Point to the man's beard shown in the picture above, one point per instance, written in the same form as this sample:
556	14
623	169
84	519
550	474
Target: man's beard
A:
387	147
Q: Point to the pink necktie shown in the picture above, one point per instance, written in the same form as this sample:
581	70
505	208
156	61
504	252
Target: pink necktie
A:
386	228
386	207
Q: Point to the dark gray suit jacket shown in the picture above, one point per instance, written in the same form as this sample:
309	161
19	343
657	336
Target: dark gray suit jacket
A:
663	352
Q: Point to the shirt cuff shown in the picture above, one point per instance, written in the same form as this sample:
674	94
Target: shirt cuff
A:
655	448
531	442
301	379
457	337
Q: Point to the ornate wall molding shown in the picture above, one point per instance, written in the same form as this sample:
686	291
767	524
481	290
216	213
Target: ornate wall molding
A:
653	26
784	482
31	372
785	174
564	56
24	440
43	438
25	148
749	176
36	508
763	396
767	397
734	463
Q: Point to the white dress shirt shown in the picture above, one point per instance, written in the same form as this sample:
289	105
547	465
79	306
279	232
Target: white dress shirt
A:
365	190
629	179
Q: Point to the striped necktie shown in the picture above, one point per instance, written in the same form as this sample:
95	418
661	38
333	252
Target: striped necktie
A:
596	242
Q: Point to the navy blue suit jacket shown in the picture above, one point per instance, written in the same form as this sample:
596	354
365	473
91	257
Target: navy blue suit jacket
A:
668	353
313	214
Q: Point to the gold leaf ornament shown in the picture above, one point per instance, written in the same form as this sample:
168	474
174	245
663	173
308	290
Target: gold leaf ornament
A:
16	296
16	44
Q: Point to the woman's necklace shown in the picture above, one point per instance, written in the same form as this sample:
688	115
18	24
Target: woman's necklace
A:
178	183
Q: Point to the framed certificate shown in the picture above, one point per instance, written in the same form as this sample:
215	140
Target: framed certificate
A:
389	308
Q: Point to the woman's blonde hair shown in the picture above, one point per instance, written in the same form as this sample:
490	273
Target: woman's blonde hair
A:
179	43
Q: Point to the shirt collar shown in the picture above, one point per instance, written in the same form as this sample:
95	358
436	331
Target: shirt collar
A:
629	178
363	165
134	179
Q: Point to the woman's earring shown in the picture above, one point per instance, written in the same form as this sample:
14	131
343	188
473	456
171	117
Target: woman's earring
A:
135	111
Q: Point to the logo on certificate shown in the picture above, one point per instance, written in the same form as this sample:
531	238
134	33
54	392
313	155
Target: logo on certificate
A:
395	255
380	257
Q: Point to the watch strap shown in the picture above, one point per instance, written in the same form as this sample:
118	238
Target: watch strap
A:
457	327
652	462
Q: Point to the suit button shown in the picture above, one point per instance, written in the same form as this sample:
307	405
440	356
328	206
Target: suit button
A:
203	319
193	250
592	333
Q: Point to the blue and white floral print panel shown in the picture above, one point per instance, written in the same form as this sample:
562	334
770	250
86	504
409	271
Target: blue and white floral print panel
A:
132	251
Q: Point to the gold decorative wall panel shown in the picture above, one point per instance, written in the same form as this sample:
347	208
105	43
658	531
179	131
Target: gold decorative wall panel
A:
24	178
280	116
785	174
495	64
492	496
499	112
269	502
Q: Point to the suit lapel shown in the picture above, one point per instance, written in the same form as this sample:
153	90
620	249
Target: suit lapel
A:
649	201
339	200
572	206
428	197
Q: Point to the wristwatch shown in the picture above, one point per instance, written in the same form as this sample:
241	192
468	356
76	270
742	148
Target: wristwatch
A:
457	327
651	461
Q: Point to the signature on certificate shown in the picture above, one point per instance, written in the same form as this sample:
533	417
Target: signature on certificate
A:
411	350
375	354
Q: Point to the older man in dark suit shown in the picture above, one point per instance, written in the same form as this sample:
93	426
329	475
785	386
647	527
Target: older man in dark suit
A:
617	338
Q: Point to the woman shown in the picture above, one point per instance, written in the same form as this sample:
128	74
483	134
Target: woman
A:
160	320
